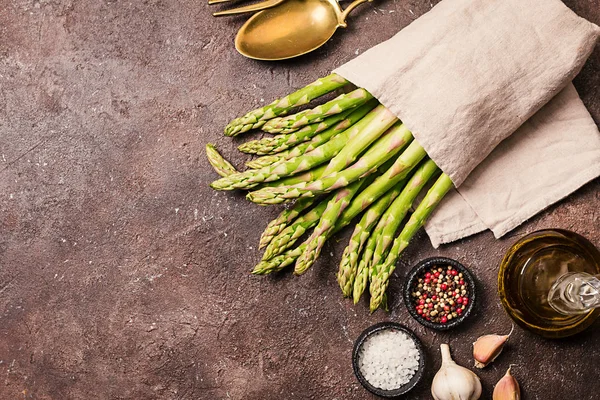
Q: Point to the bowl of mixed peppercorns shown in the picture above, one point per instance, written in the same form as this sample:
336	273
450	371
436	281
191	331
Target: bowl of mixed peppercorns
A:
439	293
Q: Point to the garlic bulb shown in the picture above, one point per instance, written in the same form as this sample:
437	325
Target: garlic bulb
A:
453	382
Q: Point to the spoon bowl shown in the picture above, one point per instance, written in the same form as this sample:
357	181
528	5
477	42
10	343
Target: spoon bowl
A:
291	29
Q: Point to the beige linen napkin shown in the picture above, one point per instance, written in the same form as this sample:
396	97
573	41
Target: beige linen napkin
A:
468	74
553	154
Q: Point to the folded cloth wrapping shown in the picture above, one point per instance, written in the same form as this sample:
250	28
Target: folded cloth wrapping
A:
468	75
550	156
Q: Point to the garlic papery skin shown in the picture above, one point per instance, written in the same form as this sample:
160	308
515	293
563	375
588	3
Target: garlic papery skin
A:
453	382
507	388
486	348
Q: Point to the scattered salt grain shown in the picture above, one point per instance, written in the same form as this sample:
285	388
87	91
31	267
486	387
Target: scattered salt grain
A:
388	359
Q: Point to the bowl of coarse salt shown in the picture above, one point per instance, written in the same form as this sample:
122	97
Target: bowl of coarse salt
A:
388	359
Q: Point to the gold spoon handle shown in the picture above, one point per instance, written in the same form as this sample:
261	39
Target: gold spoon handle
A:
349	9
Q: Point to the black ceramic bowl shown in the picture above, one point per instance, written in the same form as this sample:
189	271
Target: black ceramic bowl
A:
382	326
413	277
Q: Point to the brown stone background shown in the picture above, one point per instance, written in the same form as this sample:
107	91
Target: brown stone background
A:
123	276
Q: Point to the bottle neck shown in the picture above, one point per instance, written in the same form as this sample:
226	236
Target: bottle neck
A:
575	293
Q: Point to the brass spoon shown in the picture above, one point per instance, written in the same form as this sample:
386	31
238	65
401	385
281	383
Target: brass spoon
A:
292	28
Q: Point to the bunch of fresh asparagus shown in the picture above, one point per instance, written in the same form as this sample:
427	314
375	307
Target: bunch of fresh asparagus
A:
346	157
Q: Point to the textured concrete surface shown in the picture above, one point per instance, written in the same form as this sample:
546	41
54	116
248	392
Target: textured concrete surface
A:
123	276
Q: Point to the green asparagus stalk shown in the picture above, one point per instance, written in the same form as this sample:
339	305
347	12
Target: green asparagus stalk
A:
321	154
322	137
224	168
302	177
265	161
290	234
338	105
362	271
326	226
283	142
257	118
393	175
393	216
362	231
221	165
279	143
381	273
276	226
382	150
359	143
279	262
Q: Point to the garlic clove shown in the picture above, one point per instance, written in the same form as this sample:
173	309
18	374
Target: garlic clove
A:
486	348
507	388
453	382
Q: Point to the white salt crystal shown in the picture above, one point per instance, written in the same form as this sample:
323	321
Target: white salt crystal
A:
388	359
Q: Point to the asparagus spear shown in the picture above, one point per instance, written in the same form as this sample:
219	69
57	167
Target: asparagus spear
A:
279	143
221	165
362	231
326	225
257	118
302	177
393	175
382	150
283	142
321	154
289	235
276	226
318	140
359	143
381	273
362	271
393	216
265	161
279	262
339	104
